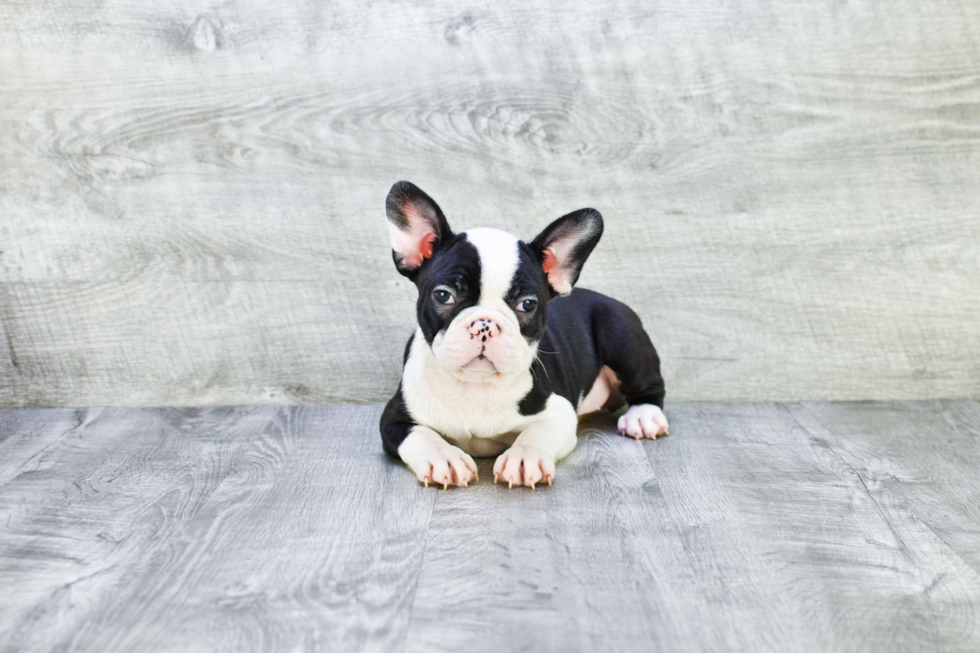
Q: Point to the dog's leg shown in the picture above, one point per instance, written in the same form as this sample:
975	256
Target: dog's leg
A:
426	452
551	437
435	460
628	352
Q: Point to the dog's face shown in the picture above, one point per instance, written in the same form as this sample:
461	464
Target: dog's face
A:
483	294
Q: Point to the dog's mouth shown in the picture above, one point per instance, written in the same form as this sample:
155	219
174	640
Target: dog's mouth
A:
480	365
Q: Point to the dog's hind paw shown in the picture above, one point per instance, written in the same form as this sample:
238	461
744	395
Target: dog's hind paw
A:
643	421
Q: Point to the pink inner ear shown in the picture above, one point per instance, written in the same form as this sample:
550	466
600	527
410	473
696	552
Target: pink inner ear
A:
557	277
550	261
424	250
417	241
425	246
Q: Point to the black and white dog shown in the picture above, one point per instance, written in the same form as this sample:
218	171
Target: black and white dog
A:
506	355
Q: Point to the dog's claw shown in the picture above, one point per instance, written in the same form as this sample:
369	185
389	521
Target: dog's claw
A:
549	480
510	485
426	481
532	486
445	485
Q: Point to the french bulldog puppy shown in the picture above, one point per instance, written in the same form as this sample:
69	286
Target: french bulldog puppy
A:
506	355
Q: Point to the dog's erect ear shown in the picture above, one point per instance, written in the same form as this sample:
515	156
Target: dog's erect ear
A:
417	226
564	245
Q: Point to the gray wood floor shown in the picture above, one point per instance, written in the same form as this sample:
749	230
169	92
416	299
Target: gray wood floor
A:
772	526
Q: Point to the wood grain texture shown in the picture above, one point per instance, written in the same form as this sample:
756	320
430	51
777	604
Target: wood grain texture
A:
191	198
763	527
218	529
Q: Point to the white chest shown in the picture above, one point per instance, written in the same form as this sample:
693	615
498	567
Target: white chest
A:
481	418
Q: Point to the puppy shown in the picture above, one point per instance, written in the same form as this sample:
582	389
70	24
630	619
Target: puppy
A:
506	355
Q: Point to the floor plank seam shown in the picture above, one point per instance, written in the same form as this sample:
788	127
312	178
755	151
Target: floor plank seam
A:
850	468
418	575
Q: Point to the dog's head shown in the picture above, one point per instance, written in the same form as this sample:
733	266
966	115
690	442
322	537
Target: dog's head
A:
483	294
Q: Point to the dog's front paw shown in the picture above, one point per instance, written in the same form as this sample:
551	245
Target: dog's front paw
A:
643	421
524	465
442	464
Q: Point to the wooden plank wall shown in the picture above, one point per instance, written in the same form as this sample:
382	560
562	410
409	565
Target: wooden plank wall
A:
191	193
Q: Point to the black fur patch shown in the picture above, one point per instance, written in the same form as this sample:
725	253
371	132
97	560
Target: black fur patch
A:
529	281
456	266
585	331
396	423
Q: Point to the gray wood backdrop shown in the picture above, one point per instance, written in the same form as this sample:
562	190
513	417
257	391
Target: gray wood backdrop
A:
191	193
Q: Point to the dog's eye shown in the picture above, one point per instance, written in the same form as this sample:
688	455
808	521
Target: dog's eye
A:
527	305
443	296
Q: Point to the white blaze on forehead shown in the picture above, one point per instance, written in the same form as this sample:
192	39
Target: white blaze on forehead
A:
498	262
